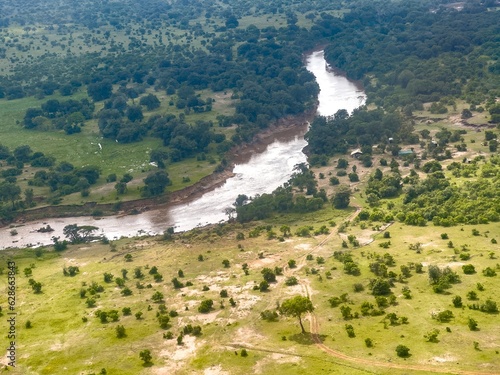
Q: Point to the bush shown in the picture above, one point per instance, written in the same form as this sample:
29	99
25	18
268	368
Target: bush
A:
353	177
489	272
358	287
120	331
457	301
334	181
432	335
468	269
269	315
205	306
263	286
444	316
350	330
402	351
472	324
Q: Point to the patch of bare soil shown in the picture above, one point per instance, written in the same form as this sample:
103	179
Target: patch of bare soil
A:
206	318
176	356
246	300
215	370
443	359
293	290
247	336
303	246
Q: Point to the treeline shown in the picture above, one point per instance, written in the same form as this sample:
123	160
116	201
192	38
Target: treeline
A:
120	15
284	198
331	135
418	51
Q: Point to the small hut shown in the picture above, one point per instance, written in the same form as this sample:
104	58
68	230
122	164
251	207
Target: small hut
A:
356	153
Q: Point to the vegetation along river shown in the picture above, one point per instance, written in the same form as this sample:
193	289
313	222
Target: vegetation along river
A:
262	173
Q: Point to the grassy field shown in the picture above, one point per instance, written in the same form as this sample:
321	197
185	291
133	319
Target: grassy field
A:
67	337
90	148
60	342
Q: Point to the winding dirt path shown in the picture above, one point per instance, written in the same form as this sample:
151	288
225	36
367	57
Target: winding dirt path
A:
315	328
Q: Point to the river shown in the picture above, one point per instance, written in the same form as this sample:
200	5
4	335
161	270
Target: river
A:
265	171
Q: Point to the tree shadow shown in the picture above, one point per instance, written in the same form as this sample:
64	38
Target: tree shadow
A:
307	338
147	364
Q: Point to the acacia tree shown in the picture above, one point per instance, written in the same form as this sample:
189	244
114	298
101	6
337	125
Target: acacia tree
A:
296	307
79	234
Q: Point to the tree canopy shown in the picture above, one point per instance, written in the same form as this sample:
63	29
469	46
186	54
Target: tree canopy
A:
297	307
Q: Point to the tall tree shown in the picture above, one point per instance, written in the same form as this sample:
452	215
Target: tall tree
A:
9	192
341	198
155	183
296	307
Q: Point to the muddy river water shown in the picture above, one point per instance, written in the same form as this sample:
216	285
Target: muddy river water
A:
262	173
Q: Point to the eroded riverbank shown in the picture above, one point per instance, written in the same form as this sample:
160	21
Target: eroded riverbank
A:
258	168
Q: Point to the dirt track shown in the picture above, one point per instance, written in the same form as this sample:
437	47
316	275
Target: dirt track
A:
315	329
358	363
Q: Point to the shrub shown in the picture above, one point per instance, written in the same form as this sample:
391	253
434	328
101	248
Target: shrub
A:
350	330
334	181
489	306
432	335
402	351
444	316
468	269
457	301
205	306
472	324
269	315
120	331
358	287
126	311
263	286
489	272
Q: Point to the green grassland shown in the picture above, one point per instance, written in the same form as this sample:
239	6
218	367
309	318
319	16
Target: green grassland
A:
90	148
60	342
67	337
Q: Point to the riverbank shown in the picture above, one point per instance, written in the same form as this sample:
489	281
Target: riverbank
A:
239	154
